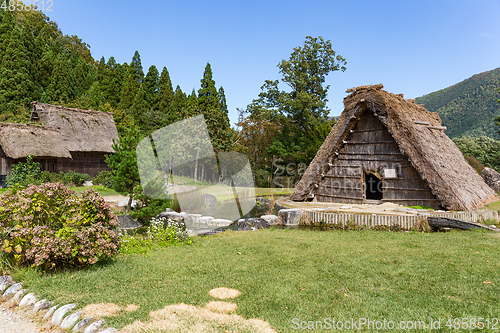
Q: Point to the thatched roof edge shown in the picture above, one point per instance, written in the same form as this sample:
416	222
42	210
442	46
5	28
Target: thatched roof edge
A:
21	140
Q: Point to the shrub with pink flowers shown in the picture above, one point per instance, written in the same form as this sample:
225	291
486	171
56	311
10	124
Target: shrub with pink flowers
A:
51	226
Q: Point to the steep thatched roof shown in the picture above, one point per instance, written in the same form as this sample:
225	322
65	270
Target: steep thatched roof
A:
82	130
419	135
19	141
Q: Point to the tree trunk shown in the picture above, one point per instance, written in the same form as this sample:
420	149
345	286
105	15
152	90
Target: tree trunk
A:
196	167
129	204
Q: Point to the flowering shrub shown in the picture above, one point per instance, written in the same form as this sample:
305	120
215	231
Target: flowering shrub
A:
50	226
160	233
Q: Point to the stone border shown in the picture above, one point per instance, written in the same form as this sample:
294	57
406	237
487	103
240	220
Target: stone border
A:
47	314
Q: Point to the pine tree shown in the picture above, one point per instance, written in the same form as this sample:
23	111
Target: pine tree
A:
165	92
136	67
139	110
177	108
60	87
111	82
192	100
130	89
151	86
16	87
207	94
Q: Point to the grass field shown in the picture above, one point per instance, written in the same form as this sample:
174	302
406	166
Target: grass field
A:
307	275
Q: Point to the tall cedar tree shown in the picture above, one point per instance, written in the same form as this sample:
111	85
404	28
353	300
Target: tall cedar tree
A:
209	105
136	67
178	105
16	86
151	86
130	88
60	88
111	82
165	92
139	110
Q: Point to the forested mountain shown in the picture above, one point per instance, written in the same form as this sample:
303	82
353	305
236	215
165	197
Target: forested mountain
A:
468	108
38	62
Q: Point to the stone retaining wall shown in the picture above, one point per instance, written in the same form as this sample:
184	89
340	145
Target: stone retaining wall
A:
403	221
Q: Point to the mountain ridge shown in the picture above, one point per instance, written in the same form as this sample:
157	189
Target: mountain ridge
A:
468	108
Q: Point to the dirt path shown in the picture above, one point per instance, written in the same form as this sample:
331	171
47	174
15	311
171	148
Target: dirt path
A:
17	322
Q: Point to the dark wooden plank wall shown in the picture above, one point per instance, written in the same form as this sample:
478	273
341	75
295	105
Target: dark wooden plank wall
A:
90	163
371	148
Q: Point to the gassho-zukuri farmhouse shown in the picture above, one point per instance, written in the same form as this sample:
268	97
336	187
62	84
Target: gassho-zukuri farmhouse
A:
385	148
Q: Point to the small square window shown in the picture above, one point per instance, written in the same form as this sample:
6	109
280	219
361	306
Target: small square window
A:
390	174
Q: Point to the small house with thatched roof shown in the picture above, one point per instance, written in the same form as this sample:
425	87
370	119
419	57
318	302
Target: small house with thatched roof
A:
387	149
18	141
87	134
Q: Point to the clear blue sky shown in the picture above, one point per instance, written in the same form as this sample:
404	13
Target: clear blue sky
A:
412	47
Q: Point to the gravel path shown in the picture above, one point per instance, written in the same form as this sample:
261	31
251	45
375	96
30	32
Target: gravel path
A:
16	322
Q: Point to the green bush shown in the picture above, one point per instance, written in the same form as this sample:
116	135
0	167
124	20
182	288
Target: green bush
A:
50	226
74	178
160	233
24	173
104	178
148	208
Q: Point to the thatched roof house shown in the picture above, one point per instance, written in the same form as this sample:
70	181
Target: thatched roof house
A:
386	148
19	141
82	130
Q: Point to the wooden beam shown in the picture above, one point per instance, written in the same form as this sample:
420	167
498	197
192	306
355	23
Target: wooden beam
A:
415	199
444	222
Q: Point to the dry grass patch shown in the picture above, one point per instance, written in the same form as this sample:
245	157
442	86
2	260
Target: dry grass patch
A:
224	293
190	318
131	308
221	307
100	310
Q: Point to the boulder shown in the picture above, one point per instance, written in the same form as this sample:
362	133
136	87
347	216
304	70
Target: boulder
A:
271	219
210	200
219	223
124	203
59	313
70	320
128	222
12	290
28	301
171	215
492	178
290	216
192	221
82	324
253	223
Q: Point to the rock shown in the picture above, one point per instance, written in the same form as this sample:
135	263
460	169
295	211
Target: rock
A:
390	210
492	178
192	221
402	209
59	314
6	278
28	300
218	223
290	216
88	183
70	320
171	215
206	219
94	327
4	286
128	222
82	324
18	296
345	207
124	203
37	305
49	313
253	223
271	219
209	200
12	290
45	306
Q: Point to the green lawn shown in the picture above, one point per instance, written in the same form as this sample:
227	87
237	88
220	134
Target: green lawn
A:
287	274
